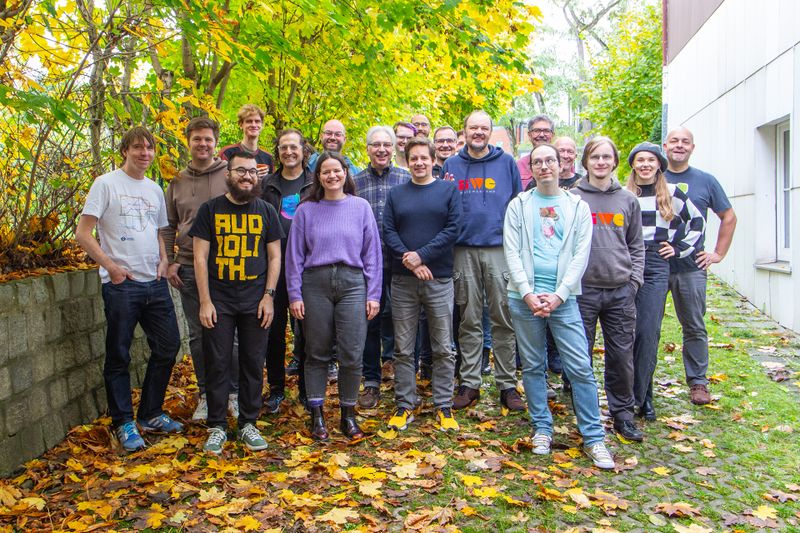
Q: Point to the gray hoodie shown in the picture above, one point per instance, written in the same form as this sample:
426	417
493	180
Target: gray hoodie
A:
617	255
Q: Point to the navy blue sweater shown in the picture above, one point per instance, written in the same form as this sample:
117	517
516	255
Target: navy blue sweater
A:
423	219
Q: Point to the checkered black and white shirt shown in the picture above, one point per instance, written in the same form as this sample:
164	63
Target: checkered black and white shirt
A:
682	232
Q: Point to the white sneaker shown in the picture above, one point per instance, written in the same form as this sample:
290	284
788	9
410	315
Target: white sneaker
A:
201	412
233	405
541	444
600	455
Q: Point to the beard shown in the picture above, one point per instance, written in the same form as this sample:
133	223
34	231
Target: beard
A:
241	195
333	145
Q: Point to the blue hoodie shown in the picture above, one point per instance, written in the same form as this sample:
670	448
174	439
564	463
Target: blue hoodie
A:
486	186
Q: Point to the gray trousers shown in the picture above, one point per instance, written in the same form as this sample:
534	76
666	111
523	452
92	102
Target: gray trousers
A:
190	301
689	296
480	271
408	293
335	300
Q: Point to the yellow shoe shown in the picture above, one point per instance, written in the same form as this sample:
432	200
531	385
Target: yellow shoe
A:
445	420
401	419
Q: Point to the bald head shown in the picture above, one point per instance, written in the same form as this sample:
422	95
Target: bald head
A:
568	151
679	146
681	131
333	136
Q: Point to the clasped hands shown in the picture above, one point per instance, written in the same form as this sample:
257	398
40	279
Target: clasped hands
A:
543	304
413	262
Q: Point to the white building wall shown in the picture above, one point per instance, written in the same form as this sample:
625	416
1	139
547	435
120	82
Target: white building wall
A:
733	81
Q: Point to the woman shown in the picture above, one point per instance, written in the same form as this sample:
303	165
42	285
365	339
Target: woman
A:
671	225
333	276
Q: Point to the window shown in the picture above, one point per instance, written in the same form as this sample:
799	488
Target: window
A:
783	189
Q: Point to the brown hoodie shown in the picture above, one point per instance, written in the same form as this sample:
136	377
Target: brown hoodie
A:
185	194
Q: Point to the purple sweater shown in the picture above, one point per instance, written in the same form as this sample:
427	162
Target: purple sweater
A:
334	231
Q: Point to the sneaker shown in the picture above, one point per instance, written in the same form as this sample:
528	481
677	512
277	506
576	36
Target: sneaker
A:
628	430
215	441
511	399
465	397
129	437
333	371
252	438
201	412
699	394
599	455
161	424
445	420
273	403
401	419
551	392
293	368
387	370
369	398
233	405
541	444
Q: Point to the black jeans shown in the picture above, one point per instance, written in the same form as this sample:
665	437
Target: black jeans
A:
650	302
616	310
235	317
276	347
149	305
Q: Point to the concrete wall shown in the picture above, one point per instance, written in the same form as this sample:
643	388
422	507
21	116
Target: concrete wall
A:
737	78
52	346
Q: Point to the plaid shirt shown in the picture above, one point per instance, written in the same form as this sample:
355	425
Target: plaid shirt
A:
374	188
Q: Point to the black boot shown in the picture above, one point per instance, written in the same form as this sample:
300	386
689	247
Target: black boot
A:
647	411
318	429
486	368
348	425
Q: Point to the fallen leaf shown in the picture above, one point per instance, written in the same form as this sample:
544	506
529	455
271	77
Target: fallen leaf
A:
680	509
469	480
661	470
370	488
765	512
247	523
339	516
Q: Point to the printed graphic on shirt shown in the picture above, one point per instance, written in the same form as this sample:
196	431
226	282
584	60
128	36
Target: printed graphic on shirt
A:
608	220
238	236
136	213
289	205
548	220
683	186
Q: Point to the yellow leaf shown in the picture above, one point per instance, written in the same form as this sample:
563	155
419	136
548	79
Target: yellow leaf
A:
570	509
765	512
370	488
247	523
576	495
469	481
408	470
513	501
168	445
472	443
487	492
77	525
339	516
365	472
155	518
211	495
33	503
389	434
661	470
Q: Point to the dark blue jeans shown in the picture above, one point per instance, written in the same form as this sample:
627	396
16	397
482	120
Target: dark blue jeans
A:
650	302
149	305
380	337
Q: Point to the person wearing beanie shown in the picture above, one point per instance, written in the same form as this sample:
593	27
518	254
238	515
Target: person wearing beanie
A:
671	226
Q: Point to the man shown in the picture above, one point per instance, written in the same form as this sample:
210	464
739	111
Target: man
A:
614	274
403	132
128	209
373	184
420	229
201	180
333	138
236	279
283	191
422	124
251	121
487	179
688	276
460	141
444	142
547	237
540	131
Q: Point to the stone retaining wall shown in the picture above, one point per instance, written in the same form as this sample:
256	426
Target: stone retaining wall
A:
52	346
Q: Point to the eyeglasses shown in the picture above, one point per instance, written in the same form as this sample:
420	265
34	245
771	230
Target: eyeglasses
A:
550	161
420	124
242	172
288	148
539	131
377	145
445	141
335	134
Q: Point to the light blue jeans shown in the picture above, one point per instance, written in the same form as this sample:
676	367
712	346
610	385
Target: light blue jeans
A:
567	328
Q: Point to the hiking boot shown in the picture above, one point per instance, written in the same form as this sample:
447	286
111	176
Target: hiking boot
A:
252	438
233	405
201	411
293	368
541	443
599	455
401	419
161	424
465	397
628	430
369	398
129	437
273	403
512	400
445	421
318	429
333	371
699	394
215	441
387	370
486	367
348	424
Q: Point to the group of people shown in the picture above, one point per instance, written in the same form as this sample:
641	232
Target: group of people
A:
414	260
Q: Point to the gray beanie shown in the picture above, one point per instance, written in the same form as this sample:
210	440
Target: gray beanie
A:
653	149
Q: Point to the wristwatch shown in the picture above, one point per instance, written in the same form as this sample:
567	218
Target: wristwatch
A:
271	292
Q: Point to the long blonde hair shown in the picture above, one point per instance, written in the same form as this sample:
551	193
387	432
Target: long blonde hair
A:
663	197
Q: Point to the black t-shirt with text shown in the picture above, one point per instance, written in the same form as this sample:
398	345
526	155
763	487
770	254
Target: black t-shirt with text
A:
238	234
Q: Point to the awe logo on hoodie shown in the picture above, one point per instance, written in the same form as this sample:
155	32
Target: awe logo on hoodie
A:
608	219
476	184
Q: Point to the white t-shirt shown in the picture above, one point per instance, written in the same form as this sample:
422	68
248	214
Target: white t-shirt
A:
129	213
